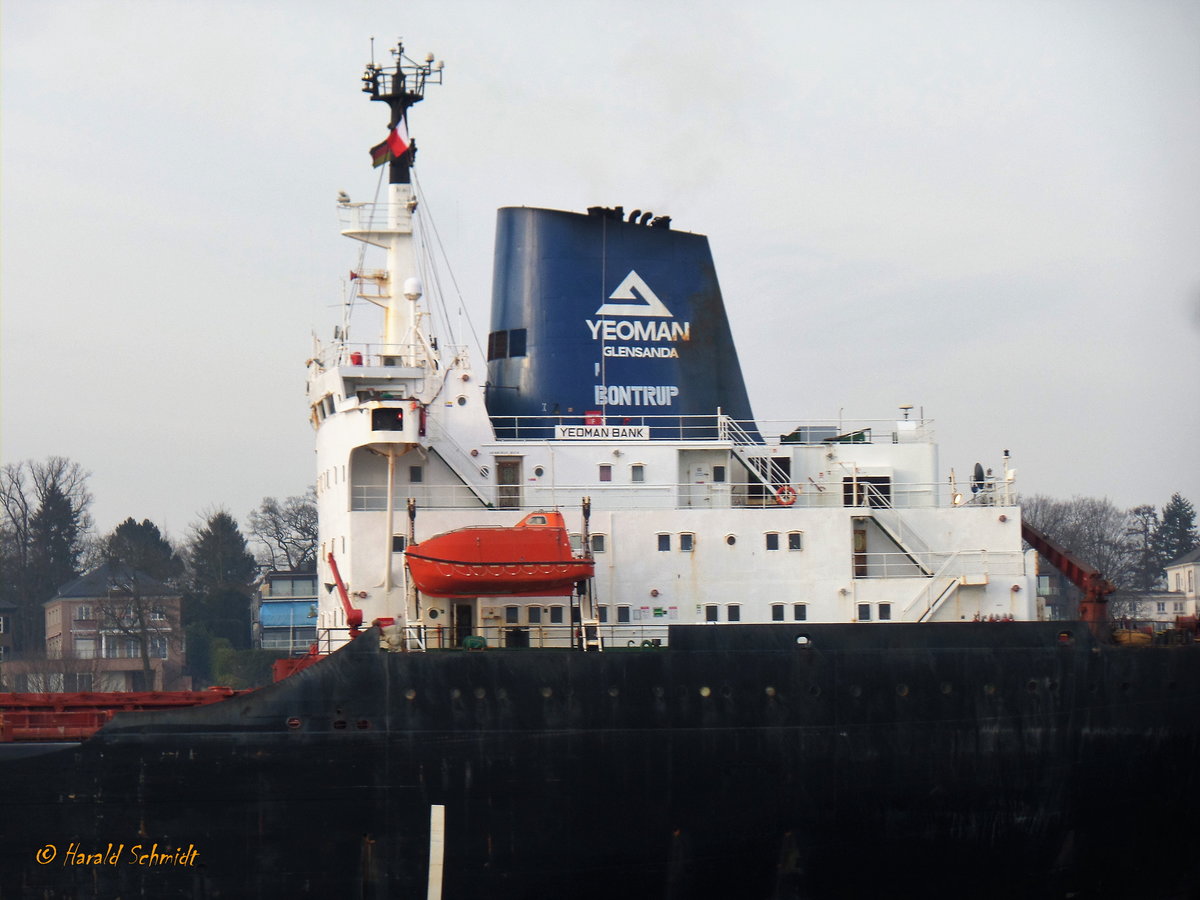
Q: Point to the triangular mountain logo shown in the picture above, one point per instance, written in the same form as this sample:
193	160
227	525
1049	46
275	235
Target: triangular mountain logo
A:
646	302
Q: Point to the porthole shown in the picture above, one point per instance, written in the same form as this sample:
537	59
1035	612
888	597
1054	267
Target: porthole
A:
705	691
902	690
293	723
770	691
730	539
462	401
538	471
547	692
803	640
410	694
480	693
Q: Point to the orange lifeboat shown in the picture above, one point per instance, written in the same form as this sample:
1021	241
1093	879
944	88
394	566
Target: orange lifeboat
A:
530	559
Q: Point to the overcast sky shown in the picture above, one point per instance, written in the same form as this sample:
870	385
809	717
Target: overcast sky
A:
988	210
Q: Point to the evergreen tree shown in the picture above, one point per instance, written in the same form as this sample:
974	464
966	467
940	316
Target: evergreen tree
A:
221	575
142	547
1176	534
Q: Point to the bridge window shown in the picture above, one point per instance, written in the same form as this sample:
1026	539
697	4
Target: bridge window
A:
387	419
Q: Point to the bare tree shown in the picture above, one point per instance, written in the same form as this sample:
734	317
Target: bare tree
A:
44	524
287	532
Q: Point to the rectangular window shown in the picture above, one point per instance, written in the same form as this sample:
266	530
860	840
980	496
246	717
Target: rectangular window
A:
399	542
776	612
712	613
800	612
510	615
516	342
1162	606
497	345
718	474
598	543
387	419
637	473
623	617
735	613
556	615
604	615
885	612
772	540
795	540
664	542
416	474
605	472
535	615
864	612
686	542
82	613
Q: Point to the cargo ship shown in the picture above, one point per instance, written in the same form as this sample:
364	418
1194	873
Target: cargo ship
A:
589	628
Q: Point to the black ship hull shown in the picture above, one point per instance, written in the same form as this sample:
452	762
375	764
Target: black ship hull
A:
982	760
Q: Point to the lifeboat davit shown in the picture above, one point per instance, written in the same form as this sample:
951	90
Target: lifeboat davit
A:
530	559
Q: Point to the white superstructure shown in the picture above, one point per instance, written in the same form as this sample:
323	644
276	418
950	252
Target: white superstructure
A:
863	526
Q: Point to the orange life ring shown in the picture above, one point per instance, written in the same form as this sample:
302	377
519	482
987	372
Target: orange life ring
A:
786	495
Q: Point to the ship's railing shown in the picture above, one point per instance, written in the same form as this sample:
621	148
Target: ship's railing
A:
953	564
379	355
714	427
543	493
369	216
543	637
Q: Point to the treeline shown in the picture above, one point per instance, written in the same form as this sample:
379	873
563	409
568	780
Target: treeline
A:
47	540
1130	547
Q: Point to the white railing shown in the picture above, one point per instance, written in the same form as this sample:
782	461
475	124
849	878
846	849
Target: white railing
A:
648	495
720	427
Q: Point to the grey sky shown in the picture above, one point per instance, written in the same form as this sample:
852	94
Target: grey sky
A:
988	210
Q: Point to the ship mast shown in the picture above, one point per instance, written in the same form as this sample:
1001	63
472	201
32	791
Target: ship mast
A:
400	86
